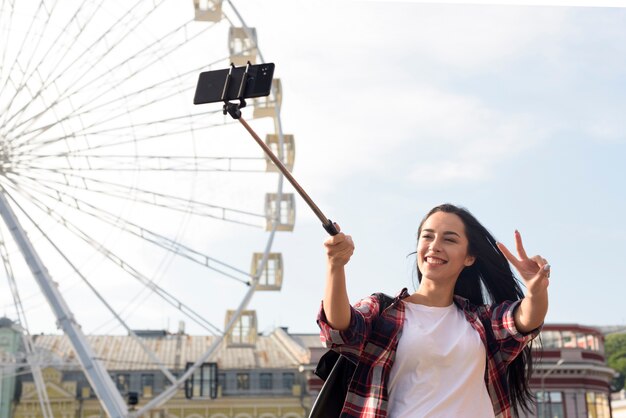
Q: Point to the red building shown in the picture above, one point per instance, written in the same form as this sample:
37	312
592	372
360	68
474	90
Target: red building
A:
571	376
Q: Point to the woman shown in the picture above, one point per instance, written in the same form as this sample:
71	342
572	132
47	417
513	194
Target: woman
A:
447	350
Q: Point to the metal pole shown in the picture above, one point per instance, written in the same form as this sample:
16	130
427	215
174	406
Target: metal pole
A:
327	223
96	374
543	387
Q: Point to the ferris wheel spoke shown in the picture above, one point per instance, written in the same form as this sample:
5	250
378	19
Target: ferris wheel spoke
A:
27	36
113	258
126	111
114	102
175	120
141	232
119	23
26	145
64	50
28	139
25	150
105	88
25	78
149	197
31	357
6	36
117	163
17	301
155	360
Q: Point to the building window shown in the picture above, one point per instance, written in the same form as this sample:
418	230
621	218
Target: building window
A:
550	405
243	381
203	382
569	339
265	381
208	380
122	381
147	385
221	380
289	379
597	405
551	339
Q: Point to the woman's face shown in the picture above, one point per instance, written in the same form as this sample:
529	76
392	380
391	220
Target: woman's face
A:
442	247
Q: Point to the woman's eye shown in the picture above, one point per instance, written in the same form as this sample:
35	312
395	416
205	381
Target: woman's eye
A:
450	240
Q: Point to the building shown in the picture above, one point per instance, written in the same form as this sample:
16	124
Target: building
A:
571	378
271	376
10	350
260	380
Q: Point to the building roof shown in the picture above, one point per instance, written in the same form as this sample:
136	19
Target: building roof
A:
612	329
5	322
118	352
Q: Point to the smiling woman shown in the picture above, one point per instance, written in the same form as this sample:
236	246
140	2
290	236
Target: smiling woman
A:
469	322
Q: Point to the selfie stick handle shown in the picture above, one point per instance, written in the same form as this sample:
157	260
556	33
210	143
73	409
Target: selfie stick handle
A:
328	225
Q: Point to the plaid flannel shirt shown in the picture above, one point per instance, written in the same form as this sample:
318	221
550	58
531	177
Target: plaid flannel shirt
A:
372	338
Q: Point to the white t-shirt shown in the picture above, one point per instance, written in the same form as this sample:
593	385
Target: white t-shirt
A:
439	367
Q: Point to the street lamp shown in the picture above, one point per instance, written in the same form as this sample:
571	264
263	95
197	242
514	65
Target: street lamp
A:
543	385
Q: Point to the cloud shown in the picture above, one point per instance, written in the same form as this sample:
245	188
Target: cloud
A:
429	130
442	172
607	126
354	97
462	139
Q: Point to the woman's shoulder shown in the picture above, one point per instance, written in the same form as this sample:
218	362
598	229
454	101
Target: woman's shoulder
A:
377	302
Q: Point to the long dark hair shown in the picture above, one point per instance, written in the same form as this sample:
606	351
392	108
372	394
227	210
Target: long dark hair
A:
490	280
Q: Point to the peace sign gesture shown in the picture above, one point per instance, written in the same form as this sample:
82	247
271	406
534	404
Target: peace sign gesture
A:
535	271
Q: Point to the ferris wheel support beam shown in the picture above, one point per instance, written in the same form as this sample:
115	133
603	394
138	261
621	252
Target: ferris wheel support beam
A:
98	377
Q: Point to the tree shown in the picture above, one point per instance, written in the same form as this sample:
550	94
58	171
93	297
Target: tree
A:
615	350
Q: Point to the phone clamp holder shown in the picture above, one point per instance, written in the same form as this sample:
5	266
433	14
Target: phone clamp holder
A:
233	109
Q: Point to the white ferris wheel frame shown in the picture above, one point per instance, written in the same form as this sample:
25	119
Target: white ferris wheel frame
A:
94	370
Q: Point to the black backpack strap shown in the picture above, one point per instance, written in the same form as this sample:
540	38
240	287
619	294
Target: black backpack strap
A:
383	300
332	396
336	371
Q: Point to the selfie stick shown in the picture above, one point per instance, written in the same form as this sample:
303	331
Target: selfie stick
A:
233	109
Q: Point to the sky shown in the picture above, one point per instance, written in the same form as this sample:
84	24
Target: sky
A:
514	111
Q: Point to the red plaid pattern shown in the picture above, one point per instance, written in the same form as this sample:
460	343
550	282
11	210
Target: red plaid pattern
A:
372	338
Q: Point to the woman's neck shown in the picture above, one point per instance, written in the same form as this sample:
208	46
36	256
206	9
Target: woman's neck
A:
431	294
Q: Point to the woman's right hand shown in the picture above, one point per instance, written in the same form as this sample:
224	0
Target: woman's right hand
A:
339	248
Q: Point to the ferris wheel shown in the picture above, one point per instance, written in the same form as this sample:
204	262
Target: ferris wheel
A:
127	204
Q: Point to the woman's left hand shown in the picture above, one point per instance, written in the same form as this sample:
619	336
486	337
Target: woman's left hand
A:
535	271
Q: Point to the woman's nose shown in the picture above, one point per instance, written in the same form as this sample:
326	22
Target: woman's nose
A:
434	245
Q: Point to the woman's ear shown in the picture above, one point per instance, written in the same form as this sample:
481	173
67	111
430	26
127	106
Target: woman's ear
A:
469	260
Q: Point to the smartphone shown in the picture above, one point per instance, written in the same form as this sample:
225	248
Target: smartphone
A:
210	87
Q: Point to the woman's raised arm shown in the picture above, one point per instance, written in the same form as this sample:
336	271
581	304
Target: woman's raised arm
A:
535	272
339	249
